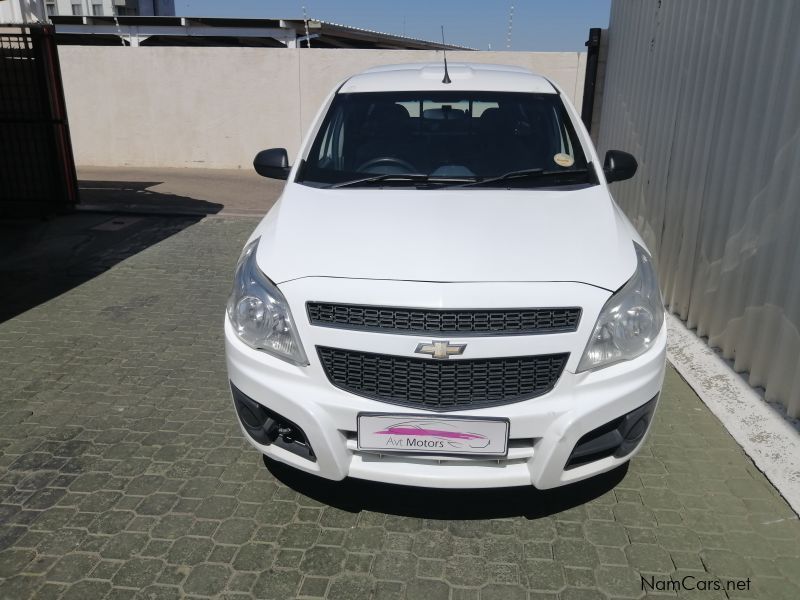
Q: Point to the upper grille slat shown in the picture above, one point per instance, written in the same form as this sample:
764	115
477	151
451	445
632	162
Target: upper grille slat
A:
441	385
518	321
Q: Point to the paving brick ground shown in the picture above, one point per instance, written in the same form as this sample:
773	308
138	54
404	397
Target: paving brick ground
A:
123	475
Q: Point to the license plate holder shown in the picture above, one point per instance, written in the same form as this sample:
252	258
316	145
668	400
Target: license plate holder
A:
432	434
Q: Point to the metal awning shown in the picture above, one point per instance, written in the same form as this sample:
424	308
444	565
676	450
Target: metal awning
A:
291	33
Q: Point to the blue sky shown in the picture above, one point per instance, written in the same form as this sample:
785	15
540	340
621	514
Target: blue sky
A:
543	25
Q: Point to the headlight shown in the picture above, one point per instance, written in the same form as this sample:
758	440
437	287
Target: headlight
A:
630	320
259	313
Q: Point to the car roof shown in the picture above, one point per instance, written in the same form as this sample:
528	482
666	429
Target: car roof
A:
463	76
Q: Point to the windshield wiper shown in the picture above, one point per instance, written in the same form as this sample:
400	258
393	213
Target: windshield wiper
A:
415	177
524	174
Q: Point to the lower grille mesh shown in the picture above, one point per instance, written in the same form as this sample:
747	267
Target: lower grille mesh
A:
438	384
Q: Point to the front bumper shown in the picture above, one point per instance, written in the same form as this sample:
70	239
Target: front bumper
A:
544	431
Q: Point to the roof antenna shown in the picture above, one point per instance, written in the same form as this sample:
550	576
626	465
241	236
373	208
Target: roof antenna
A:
446	78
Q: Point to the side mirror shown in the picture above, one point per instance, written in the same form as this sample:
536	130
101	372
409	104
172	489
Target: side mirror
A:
619	166
273	163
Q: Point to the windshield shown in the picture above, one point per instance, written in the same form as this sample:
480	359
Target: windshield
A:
438	138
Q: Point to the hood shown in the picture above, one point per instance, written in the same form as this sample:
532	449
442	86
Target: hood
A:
447	235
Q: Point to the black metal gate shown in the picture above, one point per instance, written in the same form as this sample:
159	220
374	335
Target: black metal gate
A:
590	79
37	169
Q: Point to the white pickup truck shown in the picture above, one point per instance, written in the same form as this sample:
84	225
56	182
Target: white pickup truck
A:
446	294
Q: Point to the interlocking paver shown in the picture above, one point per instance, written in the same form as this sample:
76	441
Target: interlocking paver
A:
207	580
323	560
277	584
123	474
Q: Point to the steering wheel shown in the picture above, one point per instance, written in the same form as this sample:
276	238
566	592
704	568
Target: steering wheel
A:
388	161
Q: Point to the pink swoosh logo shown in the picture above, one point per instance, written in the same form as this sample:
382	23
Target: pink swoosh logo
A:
431	432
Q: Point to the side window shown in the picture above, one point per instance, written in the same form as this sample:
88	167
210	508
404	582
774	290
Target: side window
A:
325	148
562	133
338	140
330	150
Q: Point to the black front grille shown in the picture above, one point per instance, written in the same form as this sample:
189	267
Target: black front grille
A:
433	384
517	321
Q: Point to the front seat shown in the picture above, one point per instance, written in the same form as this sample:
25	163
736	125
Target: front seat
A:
386	133
511	142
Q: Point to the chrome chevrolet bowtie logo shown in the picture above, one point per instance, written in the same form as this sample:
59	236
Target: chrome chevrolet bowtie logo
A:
441	349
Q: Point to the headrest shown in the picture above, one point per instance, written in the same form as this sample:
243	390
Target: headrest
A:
389	112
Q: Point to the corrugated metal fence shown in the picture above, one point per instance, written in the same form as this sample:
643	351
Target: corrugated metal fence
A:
706	95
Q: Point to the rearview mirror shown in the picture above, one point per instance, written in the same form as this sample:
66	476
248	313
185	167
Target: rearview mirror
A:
619	165
273	163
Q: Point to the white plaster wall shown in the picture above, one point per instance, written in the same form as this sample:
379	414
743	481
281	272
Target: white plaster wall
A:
216	107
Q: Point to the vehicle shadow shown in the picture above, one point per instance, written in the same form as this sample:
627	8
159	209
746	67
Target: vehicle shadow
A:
355	495
43	258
